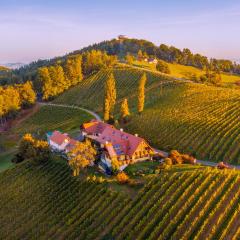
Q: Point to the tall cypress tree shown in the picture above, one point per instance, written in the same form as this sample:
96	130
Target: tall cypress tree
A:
124	109
141	93
110	93
106	110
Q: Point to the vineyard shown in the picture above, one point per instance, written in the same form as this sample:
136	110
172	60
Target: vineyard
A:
90	92
194	118
46	202
52	117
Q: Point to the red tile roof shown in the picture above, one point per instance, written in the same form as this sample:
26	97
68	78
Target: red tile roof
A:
122	143
58	137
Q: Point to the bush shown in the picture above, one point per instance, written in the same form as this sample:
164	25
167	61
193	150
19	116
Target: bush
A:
31	148
168	161
122	177
162	67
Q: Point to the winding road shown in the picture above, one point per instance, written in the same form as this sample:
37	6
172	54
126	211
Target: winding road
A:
95	115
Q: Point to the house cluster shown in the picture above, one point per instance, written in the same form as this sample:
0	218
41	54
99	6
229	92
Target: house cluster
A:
112	144
148	60
116	144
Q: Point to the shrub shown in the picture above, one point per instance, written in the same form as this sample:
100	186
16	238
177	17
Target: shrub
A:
122	177
162	67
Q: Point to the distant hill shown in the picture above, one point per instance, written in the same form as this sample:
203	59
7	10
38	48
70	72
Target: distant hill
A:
4	69
14	65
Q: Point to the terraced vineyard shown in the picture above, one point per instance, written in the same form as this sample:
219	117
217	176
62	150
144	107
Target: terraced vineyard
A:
45	202
194	118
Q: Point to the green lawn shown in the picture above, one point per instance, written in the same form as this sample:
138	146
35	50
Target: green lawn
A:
5	160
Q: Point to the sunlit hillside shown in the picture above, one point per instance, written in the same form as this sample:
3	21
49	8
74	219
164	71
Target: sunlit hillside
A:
191	117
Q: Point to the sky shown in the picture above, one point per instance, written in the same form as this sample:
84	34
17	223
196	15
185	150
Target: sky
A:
32	30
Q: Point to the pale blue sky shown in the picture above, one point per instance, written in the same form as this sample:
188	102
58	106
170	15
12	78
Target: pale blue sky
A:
43	29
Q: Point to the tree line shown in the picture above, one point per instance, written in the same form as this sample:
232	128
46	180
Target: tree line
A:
55	79
15	97
167	53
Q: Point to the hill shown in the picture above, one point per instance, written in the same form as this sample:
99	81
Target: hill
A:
194	118
46	202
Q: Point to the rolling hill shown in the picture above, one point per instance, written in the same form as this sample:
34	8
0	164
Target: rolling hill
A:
46	202
191	117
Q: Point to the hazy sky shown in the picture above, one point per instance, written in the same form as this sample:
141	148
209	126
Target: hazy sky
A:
30	30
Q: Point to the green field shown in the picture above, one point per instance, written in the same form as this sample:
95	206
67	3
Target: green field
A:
188	72
190	117
46	202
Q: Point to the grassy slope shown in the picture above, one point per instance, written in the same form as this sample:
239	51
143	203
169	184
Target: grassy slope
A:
181	71
45	202
190	117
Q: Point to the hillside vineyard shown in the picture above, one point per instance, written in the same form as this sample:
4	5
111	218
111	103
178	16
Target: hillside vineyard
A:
183	205
195	118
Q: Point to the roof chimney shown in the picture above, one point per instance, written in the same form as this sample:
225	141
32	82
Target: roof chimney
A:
121	129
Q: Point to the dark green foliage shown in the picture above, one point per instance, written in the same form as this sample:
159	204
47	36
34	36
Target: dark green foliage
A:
162	67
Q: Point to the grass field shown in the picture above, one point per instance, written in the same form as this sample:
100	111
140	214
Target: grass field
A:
46	202
187	72
190	117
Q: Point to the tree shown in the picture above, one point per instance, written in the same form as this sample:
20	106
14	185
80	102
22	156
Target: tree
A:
106	110
141	93
129	59
115	166
140	55
31	148
46	82
162	67
81	156
27	94
110	93
124	109
122	177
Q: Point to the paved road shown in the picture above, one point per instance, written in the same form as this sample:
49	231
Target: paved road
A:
95	115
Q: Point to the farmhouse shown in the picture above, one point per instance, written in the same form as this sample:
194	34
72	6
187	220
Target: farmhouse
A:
116	144
60	142
152	60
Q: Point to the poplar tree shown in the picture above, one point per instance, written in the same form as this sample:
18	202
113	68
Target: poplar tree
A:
110	93
141	93
124	109
106	110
